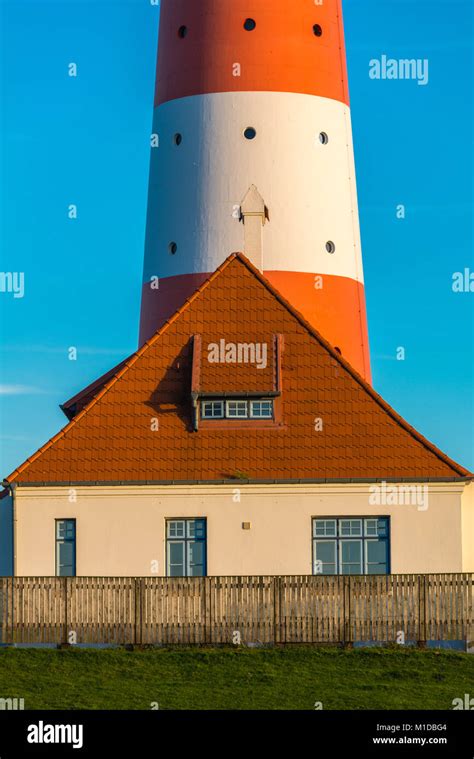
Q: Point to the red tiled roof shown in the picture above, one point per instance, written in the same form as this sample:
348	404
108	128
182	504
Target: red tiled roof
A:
79	401
112	438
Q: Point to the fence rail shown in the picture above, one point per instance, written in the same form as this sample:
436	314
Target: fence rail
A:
199	610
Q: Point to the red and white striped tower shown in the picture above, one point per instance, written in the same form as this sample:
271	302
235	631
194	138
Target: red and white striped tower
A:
254	153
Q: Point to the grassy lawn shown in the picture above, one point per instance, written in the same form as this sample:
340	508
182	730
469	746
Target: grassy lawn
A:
192	678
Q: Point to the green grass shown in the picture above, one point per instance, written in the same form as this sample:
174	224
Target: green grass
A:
273	678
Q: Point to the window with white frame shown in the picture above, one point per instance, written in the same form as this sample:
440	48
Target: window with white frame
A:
261	409
351	546
186	547
212	409
237	409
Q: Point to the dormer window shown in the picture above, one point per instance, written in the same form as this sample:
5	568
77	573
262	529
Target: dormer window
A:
239	408
236	385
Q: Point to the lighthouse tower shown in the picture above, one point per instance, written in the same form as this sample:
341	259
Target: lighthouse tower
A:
252	151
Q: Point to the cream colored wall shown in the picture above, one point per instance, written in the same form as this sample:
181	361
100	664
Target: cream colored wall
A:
121	530
468	528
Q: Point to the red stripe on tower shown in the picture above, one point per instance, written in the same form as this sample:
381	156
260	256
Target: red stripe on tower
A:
273	41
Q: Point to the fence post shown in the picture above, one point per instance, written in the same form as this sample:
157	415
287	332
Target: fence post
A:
277	620
347	611
64	595
422	611
207	610
9	617
137	627
15	610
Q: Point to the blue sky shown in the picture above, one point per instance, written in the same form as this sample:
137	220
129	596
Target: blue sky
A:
85	141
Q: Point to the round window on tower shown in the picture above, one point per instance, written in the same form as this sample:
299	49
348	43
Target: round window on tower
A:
330	247
317	30
249	24
182	32
172	247
323	138
178	138
250	133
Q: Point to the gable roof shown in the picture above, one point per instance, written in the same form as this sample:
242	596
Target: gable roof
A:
138	427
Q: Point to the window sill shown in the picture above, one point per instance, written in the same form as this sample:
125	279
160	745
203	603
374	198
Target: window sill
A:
240	424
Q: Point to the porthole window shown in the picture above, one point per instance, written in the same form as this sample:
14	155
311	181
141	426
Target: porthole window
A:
182	32
317	30
250	133
330	247
250	24
178	138
172	247
323	138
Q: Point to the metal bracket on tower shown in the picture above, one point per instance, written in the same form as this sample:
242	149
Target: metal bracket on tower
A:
254	214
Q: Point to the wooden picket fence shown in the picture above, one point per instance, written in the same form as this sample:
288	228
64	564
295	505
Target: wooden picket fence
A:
225	610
